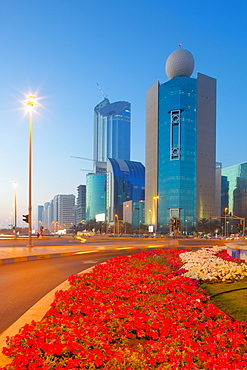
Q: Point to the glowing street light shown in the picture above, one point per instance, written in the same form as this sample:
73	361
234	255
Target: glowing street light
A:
116	217
156	197
30	105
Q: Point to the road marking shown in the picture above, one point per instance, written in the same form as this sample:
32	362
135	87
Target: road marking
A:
85	252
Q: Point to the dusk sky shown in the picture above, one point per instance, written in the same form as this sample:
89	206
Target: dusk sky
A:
61	49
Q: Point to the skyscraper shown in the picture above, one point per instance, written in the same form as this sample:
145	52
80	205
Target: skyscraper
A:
111	132
180	145
66	210
80	209
125	181
234	189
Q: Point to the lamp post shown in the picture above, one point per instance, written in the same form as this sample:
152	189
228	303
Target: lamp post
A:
156	197
186	226
30	105
15	208
125	216
116	228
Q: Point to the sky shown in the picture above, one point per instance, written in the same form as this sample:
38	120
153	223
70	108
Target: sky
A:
61	49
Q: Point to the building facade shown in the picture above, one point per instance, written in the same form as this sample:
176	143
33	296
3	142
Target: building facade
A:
95	195
40	211
180	145
66	211
111	132
234	190
134	213
59	213
80	209
125	181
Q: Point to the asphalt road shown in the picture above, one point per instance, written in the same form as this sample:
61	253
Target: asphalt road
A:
23	284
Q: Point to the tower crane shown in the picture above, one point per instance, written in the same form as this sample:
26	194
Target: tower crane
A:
104	95
86	159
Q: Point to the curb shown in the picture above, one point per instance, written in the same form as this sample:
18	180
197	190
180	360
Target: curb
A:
5	261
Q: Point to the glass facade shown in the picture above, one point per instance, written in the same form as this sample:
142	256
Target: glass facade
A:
80	210
126	181
111	131
234	189
95	195
177	137
138	213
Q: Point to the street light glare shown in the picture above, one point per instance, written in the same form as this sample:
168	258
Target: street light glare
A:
30	102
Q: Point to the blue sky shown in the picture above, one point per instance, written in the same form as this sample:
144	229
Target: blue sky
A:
61	49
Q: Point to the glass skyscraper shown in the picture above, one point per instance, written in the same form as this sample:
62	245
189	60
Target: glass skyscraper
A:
80	209
234	189
111	132
125	181
95	195
180	145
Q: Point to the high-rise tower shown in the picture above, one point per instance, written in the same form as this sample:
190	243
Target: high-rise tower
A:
180	145
111	132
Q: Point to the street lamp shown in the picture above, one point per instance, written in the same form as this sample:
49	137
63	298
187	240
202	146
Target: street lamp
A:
30	105
15	208
116	217
156	197
186	226
125	216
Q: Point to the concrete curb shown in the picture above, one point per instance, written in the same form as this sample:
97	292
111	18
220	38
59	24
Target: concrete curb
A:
5	261
36	312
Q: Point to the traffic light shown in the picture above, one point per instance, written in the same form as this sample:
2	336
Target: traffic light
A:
225	211
25	218
240	227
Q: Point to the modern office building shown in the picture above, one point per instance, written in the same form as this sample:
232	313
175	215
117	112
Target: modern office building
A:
106	192
40	211
111	132
66	211
180	145
218	190
125	181
47	215
59	213
80	209
134	213
234	190
95	195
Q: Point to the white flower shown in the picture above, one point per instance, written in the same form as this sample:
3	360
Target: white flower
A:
205	265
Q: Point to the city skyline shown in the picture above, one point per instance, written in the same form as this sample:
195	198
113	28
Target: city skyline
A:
61	51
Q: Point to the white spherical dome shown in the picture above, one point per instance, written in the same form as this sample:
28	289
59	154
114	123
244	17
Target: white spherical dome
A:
179	63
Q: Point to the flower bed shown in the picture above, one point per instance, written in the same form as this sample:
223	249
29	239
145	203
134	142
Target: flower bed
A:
132	313
212	265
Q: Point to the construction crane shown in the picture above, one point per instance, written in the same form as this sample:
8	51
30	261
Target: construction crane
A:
86	159
104	95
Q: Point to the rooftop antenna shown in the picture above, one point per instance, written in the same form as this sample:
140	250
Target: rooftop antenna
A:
104	95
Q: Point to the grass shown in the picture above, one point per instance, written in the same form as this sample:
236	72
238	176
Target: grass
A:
234	304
